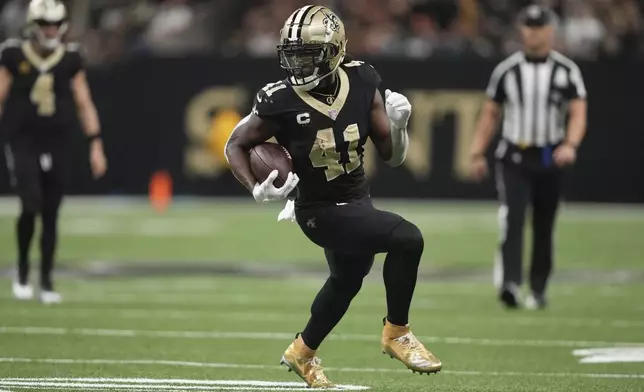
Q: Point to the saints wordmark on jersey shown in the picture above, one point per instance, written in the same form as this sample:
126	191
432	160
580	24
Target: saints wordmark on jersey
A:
325	135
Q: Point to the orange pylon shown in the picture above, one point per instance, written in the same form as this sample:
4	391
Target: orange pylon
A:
160	191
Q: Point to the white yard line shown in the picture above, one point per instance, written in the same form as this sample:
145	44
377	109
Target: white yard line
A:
146	384
84	205
144	226
34	330
438	302
161	385
144	314
226	299
287	286
213	299
610	355
219	365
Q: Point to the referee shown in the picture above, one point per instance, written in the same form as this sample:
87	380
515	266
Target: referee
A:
542	97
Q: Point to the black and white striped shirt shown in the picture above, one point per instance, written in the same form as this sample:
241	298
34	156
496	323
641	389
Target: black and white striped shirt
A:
535	96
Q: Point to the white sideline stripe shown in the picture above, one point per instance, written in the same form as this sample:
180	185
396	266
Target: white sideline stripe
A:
190	288
61	361
289	336
147	384
66	389
441	302
147	227
142	313
160	387
146	314
269	367
610	355
120	387
109	205
146	381
225	300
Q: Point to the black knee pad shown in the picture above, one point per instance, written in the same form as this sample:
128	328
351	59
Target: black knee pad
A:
406	237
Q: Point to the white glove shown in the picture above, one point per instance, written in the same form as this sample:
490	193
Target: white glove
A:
398	109
288	213
267	192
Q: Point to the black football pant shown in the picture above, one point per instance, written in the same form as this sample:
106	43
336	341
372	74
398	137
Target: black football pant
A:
351	234
527	177
38	177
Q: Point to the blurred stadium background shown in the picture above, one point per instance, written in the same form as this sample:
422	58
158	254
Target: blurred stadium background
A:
170	270
417	29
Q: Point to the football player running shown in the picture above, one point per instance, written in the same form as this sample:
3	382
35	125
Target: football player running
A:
323	113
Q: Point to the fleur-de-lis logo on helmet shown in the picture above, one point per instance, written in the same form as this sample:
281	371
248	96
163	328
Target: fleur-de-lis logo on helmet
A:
312	46
331	23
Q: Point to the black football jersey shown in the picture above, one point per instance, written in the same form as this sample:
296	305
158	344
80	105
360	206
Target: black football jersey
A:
40	104
325	137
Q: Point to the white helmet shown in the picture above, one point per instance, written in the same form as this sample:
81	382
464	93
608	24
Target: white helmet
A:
46	12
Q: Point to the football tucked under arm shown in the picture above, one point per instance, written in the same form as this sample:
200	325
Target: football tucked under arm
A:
252	131
249	132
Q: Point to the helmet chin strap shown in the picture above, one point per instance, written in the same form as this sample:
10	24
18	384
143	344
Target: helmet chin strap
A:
308	86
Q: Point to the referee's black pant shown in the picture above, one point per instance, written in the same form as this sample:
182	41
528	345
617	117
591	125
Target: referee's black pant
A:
526	176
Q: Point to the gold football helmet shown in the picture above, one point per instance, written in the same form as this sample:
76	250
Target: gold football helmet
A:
312	46
45	13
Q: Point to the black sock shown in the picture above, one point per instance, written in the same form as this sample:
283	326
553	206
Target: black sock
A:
328	308
48	247
401	271
25	230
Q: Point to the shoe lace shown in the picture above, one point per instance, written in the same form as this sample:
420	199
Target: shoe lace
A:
408	342
412	346
316	367
314	362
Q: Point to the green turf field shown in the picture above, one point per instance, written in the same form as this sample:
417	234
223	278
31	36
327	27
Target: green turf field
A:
184	325
457	235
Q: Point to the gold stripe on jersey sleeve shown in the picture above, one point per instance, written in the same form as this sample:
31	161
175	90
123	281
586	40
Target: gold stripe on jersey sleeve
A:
334	109
43	64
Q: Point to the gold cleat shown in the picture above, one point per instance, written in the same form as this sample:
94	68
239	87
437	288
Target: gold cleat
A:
400	343
300	359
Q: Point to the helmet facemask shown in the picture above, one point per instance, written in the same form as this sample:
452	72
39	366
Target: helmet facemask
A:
48	41
307	64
